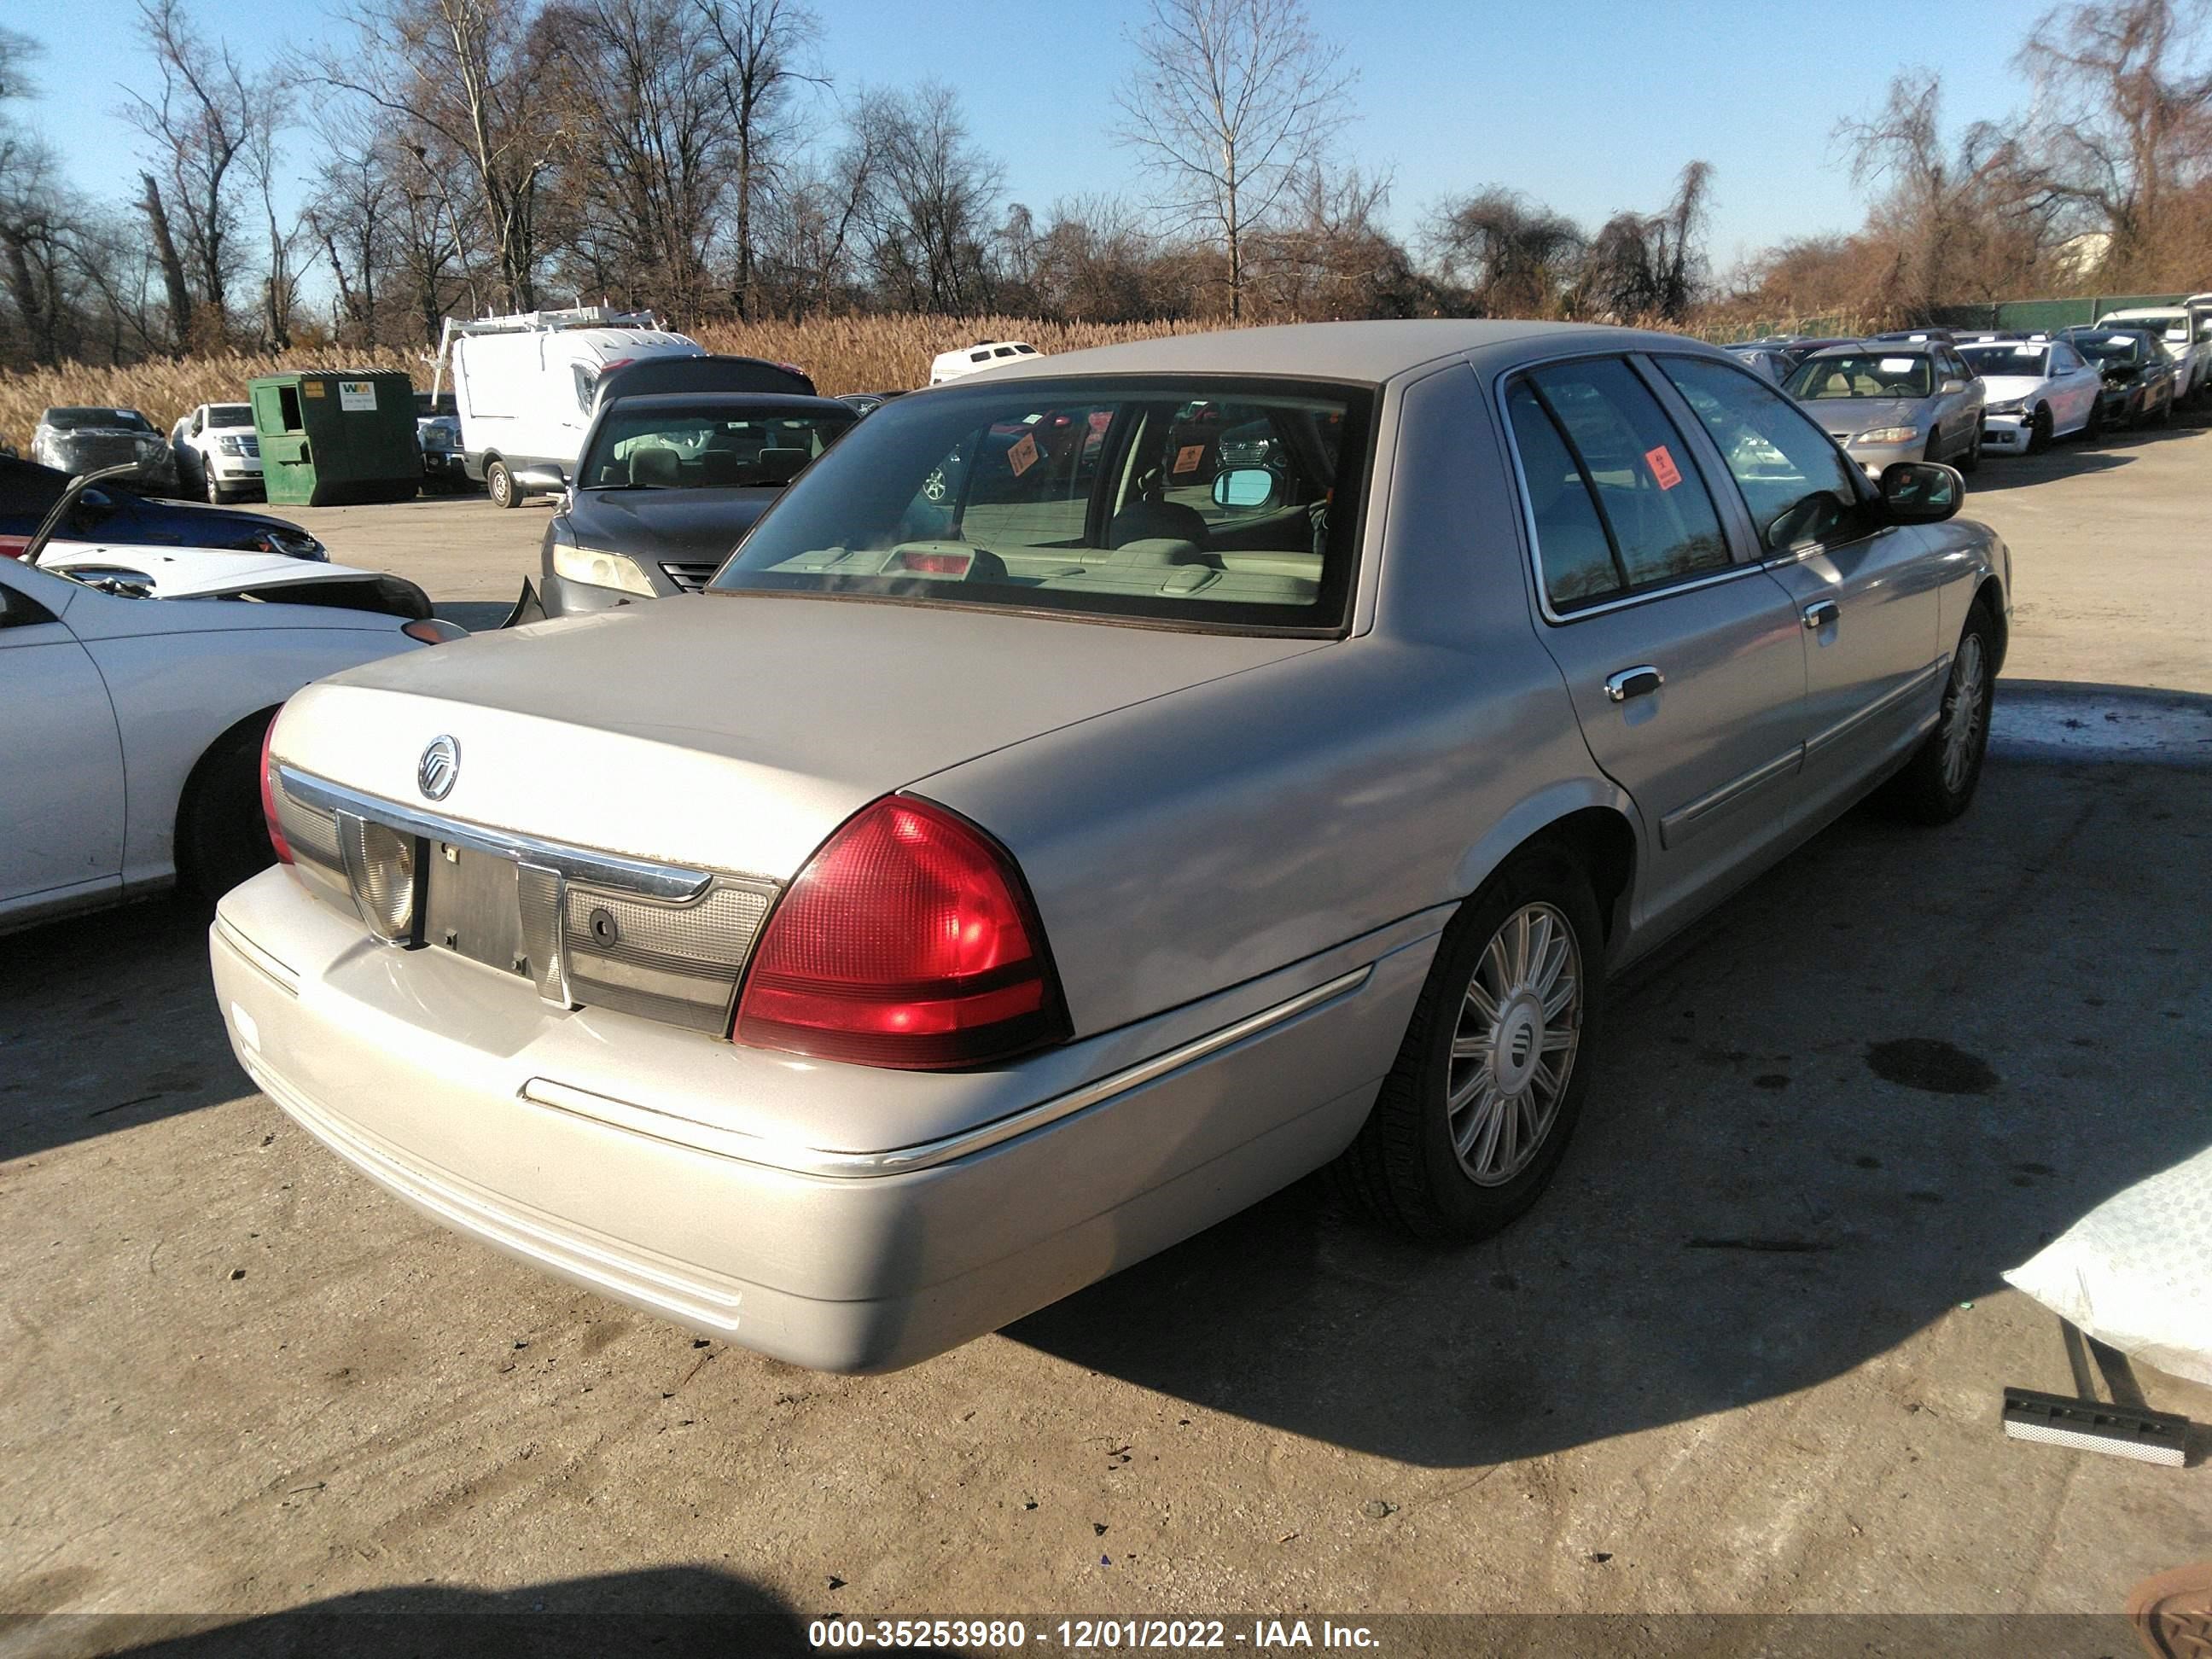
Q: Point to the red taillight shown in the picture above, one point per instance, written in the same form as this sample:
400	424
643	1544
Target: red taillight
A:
909	941
11	547
269	796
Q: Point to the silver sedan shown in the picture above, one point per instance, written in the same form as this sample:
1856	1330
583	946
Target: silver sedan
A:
1886	403
1261	757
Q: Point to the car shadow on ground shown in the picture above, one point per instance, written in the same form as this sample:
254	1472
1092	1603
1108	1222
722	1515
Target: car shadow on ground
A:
108	1021
676	1609
1895	1065
2068	458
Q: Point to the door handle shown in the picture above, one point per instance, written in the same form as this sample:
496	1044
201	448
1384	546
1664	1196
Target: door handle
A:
1821	613
1638	681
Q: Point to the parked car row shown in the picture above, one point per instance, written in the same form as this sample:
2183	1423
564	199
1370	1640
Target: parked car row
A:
1936	394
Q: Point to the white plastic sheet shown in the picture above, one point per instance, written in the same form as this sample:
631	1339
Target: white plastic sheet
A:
2135	1272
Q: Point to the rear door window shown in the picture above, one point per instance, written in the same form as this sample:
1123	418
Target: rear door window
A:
1662	523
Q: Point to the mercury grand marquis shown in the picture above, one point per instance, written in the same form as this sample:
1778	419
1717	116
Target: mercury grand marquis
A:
1259	758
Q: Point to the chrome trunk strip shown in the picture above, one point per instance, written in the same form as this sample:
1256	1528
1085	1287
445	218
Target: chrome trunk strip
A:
844	1165
613	869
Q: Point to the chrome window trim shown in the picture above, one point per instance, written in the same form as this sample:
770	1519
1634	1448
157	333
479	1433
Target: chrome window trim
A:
831	1165
1557	618
579	863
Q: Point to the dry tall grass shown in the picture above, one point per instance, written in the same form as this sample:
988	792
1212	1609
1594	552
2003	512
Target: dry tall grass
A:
843	354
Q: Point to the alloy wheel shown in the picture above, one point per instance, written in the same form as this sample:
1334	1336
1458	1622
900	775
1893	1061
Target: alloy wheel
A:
1513	1049
1962	718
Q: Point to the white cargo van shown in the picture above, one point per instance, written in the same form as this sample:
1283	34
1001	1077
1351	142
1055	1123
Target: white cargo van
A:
525	386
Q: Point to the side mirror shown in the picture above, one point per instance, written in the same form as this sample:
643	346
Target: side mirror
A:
1955	383
1244	487
1921	492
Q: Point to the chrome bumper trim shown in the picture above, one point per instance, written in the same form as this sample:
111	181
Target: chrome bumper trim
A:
594	868
829	1163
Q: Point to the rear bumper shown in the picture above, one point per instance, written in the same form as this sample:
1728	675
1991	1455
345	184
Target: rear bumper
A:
454	1088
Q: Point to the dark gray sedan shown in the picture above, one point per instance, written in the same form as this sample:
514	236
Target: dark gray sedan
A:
668	484
1258	751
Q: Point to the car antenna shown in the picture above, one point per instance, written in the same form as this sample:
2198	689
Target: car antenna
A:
70	494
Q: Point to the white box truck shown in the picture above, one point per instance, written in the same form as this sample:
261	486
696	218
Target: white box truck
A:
525	386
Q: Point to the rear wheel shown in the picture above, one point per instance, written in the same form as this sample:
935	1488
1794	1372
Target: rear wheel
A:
221	836
500	485
1475	1114
1939	782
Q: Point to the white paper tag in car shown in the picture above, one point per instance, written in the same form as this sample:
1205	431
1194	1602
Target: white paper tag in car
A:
1897	365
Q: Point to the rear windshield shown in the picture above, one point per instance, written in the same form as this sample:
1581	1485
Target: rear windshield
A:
1870	375
67	420
1217	503
2107	347
704	447
2000	360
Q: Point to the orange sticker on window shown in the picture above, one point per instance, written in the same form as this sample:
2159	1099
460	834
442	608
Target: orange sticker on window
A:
1662	467
1024	453
1188	457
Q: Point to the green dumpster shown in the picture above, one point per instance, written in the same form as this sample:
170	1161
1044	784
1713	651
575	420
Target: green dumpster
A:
333	436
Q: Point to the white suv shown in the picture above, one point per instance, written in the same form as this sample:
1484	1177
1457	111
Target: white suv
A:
217	454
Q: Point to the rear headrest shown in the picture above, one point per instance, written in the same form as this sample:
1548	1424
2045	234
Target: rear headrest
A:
1147	520
657	467
780	465
1162	549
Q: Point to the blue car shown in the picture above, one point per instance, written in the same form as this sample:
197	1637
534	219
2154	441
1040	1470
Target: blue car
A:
109	513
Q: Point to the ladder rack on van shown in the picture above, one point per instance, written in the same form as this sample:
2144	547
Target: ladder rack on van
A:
532	322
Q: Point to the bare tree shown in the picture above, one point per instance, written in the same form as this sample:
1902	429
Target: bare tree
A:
1959	217
1511	257
1232	102
200	124
925	214
1652	264
468	87
763	45
2125	96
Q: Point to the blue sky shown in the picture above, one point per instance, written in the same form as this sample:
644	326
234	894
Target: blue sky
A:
1591	105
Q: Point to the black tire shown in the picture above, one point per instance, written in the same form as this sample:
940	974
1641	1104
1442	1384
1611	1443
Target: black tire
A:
2165	412
1404	1169
2038	430
1972	460
2094	428
1932	789
500	485
221	836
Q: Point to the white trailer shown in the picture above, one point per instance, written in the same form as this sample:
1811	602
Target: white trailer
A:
525	386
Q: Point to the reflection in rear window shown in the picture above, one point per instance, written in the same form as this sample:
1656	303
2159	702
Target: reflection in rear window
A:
1205	502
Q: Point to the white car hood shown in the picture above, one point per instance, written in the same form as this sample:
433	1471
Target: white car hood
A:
2003	388
194	573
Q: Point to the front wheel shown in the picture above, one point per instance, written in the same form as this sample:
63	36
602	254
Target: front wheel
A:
221	836
2039	431
500	485
1972	460
2093	427
1939	782
1476	1113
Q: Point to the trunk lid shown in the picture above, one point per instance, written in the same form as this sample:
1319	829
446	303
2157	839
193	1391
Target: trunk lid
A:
728	733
